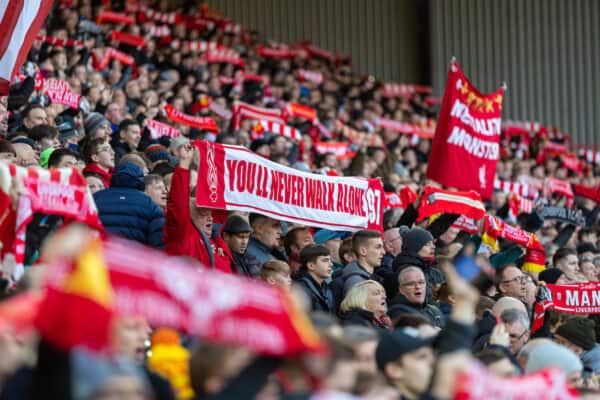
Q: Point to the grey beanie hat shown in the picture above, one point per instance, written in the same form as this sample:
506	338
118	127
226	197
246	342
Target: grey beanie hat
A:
553	355
93	121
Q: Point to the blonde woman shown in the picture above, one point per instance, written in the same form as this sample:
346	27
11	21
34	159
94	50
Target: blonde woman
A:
365	305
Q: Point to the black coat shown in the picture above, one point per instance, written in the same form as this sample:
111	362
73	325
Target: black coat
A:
359	316
321	296
400	304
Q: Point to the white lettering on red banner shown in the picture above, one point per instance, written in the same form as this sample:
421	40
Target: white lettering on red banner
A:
577	298
235	178
466	144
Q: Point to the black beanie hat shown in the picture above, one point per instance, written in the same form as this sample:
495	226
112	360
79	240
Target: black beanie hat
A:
550	275
414	240
579	331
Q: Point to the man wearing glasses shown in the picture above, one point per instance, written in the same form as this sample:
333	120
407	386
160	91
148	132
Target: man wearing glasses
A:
410	299
511	282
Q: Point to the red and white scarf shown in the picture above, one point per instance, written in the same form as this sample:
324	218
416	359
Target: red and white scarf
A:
246	111
279	52
109	54
195	45
127	38
157	16
404	90
160	129
439	201
591	156
55	191
203	123
372	140
466	224
341	150
115	17
554	185
282	130
301	111
227	56
159	31
311	76
496	228
522	189
60	42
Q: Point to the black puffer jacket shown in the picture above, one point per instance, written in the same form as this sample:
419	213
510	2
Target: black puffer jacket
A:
400	304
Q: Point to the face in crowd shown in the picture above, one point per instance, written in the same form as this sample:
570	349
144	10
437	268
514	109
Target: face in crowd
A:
412	285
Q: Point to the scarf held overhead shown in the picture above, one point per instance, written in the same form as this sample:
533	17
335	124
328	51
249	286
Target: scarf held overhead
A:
440	201
235	178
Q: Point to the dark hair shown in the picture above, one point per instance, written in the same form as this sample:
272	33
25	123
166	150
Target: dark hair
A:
151	179
30	108
90	149
7	147
291	237
255	217
126	123
410	320
562	253
42	131
360	238
57	156
311	252
489	356
345	248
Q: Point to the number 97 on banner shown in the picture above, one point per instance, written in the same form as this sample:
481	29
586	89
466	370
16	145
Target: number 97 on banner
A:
373	204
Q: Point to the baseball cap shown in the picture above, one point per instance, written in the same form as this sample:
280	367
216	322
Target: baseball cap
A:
325	235
393	345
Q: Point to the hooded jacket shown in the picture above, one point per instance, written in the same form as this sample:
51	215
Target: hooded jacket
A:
182	238
400	304
125	210
321	297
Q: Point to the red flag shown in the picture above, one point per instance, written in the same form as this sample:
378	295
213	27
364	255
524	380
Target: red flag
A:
21	22
466	144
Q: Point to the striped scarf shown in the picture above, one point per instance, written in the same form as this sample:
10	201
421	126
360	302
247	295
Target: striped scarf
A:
55	191
438	201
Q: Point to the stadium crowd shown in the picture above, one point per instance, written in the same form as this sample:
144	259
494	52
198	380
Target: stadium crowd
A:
400	320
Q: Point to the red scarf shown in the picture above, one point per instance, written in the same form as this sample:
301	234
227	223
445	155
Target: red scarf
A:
439	201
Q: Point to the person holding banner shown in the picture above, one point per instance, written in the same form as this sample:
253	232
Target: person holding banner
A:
188	228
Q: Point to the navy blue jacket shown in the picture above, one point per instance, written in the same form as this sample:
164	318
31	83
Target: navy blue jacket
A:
125	210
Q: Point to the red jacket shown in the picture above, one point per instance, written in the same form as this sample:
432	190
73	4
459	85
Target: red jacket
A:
181	236
93	167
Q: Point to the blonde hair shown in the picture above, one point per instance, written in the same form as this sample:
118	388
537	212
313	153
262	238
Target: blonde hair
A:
357	296
273	267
